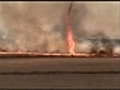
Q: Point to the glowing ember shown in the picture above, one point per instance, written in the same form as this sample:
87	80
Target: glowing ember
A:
71	44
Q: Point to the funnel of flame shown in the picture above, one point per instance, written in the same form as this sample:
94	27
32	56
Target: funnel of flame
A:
71	44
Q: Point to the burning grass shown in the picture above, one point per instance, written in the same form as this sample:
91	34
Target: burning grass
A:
36	54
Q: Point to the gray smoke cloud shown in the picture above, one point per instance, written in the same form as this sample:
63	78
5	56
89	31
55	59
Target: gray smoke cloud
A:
42	27
95	27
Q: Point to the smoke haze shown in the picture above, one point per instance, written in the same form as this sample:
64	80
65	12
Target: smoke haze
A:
42	26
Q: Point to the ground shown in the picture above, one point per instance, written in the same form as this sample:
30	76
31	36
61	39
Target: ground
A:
107	75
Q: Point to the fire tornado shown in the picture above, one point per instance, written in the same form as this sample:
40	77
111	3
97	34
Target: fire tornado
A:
71	44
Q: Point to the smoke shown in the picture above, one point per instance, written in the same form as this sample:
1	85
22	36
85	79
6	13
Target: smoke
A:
41	27
93	24
78	14
100	44
116	50
33	27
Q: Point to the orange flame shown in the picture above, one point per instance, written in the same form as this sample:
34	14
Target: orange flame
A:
71	44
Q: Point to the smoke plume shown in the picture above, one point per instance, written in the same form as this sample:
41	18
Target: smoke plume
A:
33	27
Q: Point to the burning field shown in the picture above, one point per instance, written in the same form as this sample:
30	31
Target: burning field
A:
24	34
80	43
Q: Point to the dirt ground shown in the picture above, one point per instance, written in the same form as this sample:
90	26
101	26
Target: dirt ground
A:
60	73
